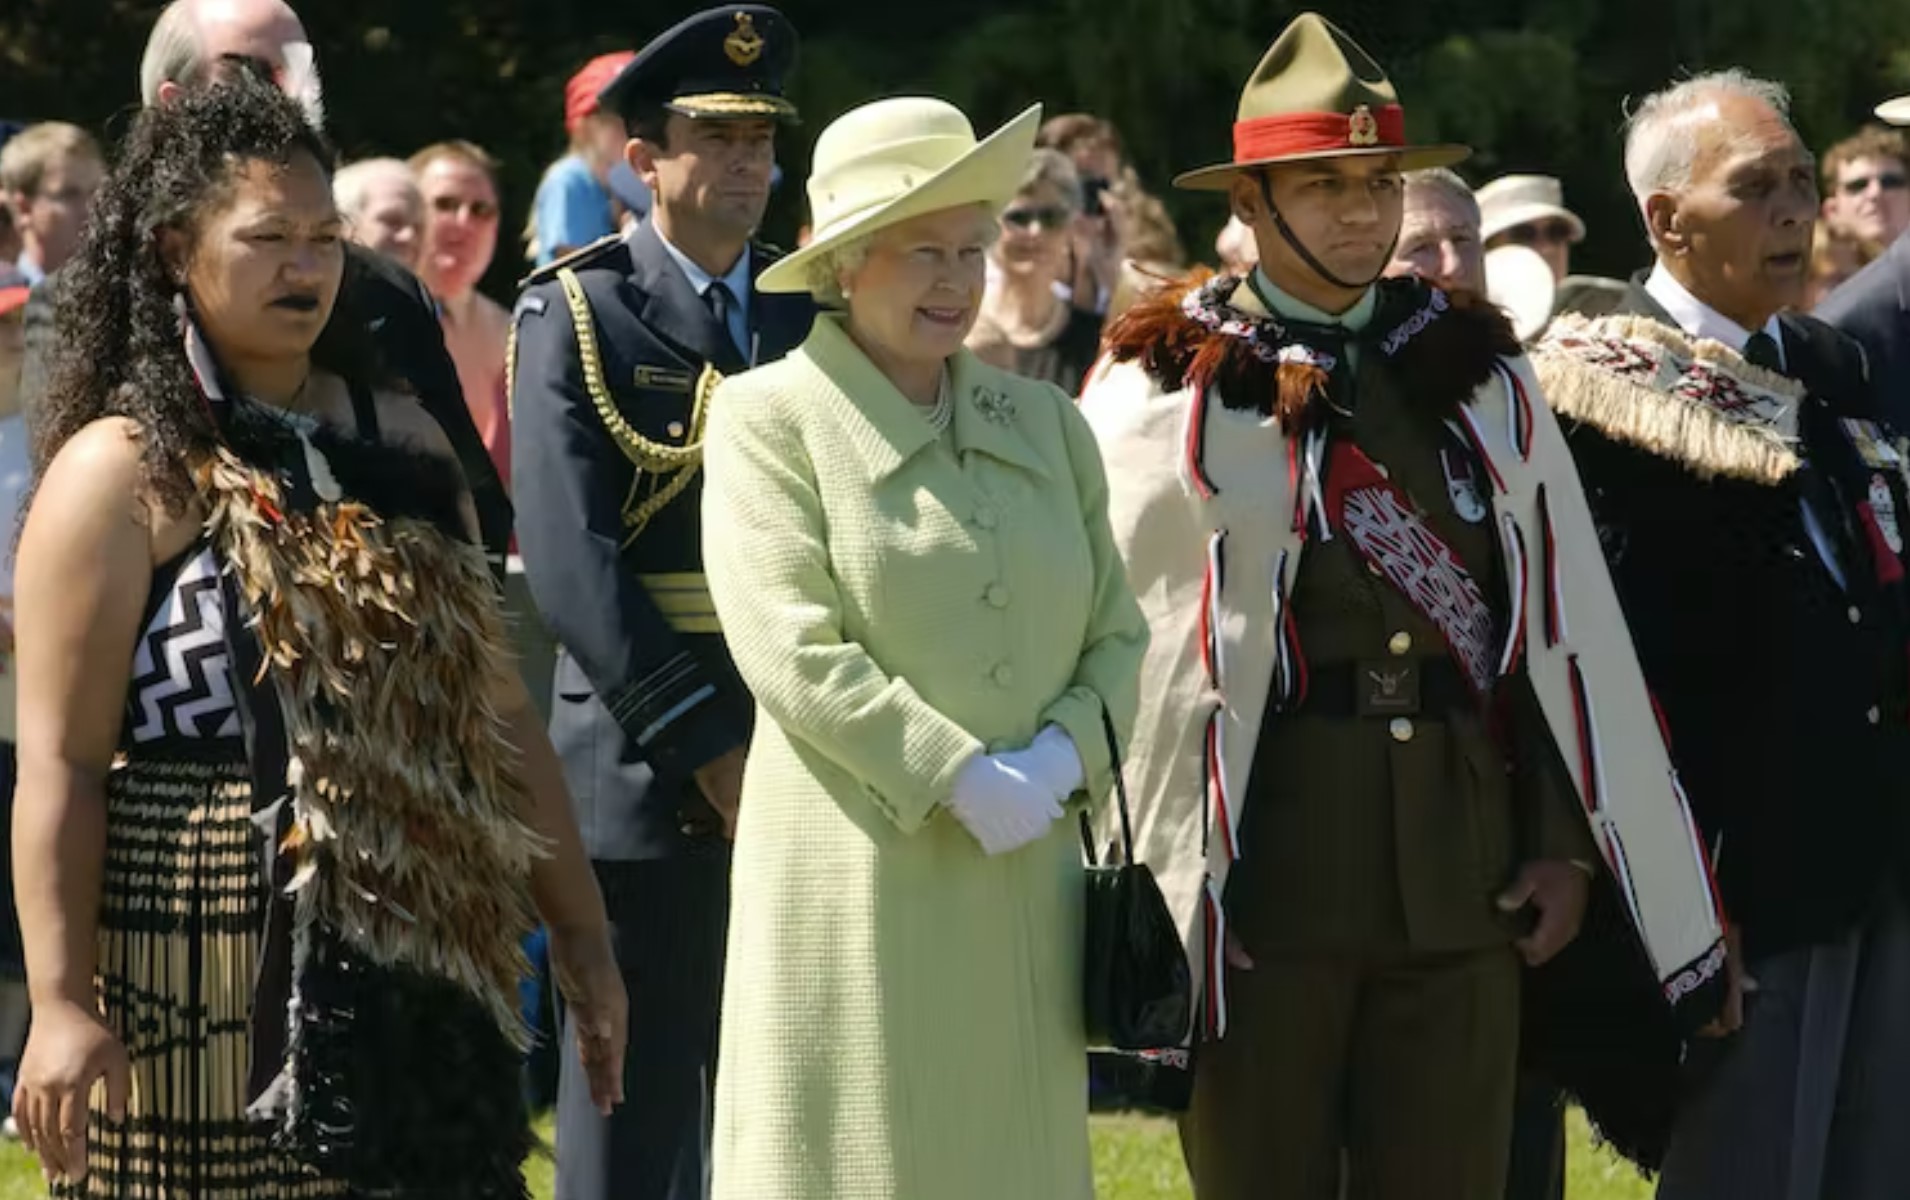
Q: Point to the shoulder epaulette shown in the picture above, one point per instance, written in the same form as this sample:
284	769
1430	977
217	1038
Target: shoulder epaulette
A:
581	257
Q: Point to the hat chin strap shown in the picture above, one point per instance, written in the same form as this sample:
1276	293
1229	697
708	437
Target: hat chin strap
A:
1306	256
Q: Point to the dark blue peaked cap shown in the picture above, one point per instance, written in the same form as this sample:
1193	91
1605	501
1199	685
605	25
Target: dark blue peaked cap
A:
724	62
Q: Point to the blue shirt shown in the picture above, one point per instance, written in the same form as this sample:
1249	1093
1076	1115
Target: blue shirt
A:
571	210
738	282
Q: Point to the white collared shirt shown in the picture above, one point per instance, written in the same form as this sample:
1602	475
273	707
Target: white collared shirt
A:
1700	320
737	280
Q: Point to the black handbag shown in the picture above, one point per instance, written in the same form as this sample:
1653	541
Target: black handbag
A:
1137	989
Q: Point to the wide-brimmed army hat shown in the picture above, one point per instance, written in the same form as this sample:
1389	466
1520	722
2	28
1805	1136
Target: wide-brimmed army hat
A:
891	160
1317	95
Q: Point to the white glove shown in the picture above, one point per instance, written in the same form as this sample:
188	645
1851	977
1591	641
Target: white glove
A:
1000	805
1051	761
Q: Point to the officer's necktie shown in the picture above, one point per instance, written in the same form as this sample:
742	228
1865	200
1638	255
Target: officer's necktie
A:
721	301
1760	350
1824	518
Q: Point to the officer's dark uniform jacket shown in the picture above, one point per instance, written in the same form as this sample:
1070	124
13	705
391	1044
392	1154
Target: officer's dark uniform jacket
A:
606	437
1784	687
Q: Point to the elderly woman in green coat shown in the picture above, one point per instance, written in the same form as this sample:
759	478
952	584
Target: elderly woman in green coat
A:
910	555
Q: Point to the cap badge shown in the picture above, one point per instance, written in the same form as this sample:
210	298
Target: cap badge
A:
1362	128
744	45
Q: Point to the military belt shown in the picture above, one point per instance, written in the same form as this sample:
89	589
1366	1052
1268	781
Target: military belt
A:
1386	687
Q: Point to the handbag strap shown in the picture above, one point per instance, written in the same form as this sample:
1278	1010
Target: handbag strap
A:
1120	785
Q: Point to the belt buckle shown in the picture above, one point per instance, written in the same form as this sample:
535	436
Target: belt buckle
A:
1387	687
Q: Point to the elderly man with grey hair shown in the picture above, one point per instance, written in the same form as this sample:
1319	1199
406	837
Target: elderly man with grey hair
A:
379	198
194	42
1751	504
1439	234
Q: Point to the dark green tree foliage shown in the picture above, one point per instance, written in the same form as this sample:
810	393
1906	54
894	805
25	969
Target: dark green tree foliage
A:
1532	84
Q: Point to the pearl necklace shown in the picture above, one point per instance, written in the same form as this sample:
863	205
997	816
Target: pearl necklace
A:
939	416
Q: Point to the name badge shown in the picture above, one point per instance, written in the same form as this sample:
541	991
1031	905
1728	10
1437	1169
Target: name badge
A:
664	379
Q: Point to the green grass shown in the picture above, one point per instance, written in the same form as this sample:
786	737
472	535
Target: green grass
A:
1135	1158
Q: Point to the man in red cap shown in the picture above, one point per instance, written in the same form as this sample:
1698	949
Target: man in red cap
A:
573	206
1394	729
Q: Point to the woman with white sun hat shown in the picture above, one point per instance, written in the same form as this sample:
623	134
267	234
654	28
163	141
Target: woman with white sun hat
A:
910	555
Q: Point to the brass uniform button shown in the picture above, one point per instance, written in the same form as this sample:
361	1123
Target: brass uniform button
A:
1401	729
1400	644
675	429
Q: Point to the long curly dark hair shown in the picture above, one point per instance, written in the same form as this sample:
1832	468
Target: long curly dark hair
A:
121	352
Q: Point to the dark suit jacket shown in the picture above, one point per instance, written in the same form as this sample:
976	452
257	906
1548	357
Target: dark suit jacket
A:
640	704
1873	306
1787	723
1784	690
403	320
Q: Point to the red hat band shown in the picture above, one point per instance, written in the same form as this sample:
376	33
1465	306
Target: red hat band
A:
1295	135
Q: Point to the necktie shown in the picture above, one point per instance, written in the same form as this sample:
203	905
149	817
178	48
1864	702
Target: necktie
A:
721	301
1825	520
1760	350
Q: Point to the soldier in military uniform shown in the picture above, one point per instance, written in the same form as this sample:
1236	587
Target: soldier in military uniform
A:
1388	680
617	349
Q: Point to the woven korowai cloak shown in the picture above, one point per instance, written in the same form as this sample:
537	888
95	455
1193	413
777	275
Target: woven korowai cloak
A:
386	1036
1207	411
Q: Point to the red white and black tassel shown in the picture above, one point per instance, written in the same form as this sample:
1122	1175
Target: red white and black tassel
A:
1477	438
1591	769
1211	651
1517	572
1518	412
1556	630
1214	922
1194	445
1214	751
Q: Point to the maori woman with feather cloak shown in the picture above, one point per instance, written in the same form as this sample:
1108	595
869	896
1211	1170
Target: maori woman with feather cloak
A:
285	809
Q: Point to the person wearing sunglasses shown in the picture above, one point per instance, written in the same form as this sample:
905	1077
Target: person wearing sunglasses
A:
1867	186
1028	324
458	181
1529	210
1871	305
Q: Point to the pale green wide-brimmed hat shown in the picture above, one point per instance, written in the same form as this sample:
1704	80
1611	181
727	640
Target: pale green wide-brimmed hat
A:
891	160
